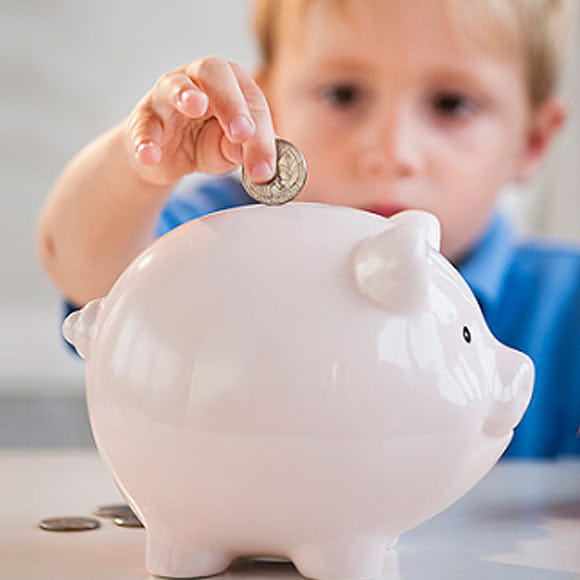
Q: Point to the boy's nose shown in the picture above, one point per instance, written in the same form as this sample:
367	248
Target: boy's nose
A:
390	148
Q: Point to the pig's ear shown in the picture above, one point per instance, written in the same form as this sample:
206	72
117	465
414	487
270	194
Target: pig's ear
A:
422	220
392	268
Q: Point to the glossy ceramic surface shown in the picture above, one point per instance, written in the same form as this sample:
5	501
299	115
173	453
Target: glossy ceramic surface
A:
303	381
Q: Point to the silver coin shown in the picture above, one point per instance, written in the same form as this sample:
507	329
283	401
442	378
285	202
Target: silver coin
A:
128	521
113	511
69	524
289	179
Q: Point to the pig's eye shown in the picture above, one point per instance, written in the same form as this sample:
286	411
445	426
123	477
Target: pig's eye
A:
466	334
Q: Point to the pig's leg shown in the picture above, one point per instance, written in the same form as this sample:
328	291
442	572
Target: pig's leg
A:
352	558
176	557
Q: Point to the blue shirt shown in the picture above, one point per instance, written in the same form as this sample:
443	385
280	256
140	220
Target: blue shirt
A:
529	294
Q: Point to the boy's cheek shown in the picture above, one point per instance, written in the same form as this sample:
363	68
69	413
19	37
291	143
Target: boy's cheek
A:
473	137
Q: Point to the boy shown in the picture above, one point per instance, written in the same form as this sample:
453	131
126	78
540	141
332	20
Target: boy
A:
430	104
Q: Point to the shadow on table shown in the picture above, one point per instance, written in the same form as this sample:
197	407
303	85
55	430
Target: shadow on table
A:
245	569
248	569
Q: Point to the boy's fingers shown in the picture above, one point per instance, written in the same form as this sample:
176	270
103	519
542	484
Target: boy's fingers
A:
176	90
214	152
216	78
231	151
259	156
210	87
144	129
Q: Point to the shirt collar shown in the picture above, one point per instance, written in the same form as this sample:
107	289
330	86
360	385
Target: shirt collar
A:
485	267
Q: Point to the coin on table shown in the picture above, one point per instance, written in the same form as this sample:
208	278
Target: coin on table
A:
128	521
120	510
289	179
69	524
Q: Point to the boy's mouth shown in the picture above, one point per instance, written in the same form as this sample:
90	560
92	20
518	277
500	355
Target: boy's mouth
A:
385	210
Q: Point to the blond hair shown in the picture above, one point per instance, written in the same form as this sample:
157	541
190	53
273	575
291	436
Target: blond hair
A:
540	29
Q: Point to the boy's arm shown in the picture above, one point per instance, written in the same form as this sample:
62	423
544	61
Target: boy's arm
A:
100	214
208	116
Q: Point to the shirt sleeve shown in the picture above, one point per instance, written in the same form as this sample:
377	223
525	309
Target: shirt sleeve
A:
194	198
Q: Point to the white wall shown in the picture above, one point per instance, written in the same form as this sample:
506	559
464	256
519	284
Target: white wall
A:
72	69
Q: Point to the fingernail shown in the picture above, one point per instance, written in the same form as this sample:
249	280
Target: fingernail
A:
185	95
240	125
154	155
262	170
143	145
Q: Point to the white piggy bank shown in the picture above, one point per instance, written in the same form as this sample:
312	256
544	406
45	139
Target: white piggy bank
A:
303	381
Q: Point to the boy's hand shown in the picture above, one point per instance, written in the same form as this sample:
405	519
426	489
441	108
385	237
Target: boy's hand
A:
207	116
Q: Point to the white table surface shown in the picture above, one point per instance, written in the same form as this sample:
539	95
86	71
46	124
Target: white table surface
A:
521	521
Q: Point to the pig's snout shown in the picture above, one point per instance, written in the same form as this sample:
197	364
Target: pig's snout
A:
515	375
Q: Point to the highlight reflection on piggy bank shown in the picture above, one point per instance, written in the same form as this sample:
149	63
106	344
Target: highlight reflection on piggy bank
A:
303	381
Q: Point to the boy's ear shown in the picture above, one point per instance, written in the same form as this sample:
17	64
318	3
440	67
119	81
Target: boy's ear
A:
545	124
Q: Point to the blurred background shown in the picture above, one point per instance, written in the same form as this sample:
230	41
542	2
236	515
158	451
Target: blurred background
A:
70	70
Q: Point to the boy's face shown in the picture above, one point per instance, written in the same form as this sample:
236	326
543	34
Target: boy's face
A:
392	111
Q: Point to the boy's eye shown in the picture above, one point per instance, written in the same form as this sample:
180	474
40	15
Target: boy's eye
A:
343	95
454	105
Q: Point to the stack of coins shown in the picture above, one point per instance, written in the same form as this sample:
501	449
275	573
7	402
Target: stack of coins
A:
289	179
121	514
